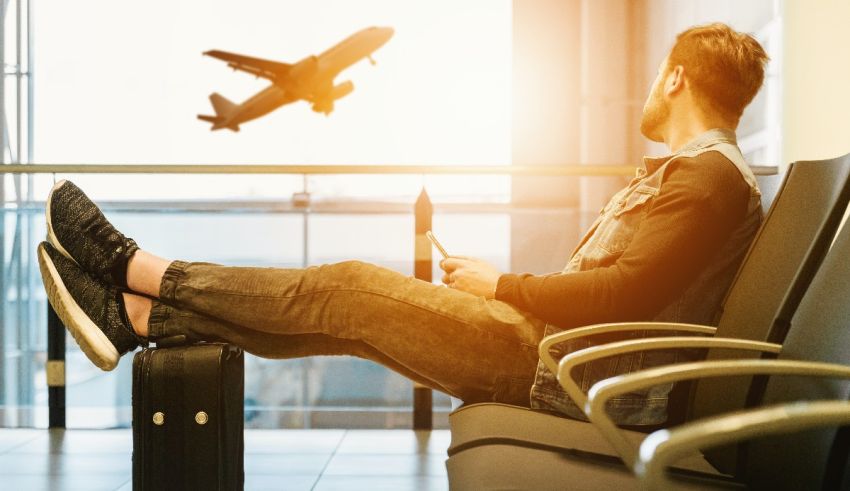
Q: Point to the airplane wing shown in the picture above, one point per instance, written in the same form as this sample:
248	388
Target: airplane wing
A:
255	66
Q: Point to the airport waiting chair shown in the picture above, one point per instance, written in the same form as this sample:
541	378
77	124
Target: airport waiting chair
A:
818	332
774	421
785	254
813	366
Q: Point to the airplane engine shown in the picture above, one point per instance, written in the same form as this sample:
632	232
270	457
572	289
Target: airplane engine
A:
341	90
326	104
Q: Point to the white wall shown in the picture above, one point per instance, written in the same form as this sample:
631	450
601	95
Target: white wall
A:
816	115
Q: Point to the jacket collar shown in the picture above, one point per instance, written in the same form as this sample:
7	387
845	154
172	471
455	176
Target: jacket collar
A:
703	140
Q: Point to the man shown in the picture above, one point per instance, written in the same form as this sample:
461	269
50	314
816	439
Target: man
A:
664	248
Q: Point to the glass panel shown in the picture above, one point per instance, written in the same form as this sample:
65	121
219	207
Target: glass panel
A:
23	317
119	83
311	392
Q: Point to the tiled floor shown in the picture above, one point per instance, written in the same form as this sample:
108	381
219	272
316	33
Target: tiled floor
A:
321	460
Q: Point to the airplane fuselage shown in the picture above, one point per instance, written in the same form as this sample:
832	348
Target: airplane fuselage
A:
353	49
260	104
311	79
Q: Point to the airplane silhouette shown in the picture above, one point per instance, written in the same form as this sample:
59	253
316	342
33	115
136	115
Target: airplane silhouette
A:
311	79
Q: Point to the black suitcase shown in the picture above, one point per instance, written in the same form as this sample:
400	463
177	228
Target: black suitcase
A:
188	410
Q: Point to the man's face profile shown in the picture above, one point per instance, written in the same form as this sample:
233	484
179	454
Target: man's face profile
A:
656	109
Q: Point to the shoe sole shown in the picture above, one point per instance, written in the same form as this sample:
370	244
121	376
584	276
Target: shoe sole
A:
51	236
88	336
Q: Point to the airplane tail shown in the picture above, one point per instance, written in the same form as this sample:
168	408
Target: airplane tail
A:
223	109
222	106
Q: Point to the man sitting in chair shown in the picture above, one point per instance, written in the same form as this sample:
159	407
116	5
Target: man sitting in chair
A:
665	248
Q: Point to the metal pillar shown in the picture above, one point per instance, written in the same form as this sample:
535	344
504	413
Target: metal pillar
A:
610	59
3	146
16	146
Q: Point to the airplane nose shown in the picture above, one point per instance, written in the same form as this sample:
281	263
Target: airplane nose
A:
388	32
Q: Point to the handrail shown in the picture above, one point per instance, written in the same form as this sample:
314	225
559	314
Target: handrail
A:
324	206
514	170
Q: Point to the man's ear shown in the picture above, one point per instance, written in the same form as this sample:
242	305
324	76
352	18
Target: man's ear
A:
675	80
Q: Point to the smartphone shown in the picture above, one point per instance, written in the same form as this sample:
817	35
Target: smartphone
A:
437	244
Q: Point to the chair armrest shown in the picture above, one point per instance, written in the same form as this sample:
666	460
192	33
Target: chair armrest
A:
604	390
586	355
579	332
664	447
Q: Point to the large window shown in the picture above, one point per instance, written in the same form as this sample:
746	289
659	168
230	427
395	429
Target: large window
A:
122	82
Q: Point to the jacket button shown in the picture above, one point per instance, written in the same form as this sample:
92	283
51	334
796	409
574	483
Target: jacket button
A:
158	418
201	418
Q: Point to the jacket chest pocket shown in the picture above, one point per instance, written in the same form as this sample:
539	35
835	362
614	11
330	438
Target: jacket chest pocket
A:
623	219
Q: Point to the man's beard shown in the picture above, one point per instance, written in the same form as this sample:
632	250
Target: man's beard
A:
655	113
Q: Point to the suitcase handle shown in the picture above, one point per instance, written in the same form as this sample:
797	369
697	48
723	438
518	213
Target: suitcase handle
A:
172	341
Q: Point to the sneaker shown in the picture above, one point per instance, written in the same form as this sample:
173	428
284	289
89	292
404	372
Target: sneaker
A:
93	312
78	230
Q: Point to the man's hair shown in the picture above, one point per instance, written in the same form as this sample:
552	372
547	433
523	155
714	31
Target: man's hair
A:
725	67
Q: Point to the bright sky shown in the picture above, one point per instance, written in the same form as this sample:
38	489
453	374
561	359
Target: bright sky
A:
121	82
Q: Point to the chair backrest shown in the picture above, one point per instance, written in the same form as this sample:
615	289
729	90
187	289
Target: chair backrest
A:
794	237
820	332
769	185
777	270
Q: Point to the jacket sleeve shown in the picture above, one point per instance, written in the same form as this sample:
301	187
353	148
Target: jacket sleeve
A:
700	203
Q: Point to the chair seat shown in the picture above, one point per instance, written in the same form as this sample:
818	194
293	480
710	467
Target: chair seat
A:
488	424
500	466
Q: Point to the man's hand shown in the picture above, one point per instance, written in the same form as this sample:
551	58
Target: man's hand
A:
470	275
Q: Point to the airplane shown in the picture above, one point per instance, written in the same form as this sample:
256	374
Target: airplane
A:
311	79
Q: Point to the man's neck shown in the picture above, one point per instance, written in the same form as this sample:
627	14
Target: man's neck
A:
687	123
677	135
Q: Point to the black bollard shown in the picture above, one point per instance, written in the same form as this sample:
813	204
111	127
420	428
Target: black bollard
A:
422	267
55	370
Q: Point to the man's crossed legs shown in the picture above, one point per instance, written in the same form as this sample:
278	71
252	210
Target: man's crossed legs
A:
113	296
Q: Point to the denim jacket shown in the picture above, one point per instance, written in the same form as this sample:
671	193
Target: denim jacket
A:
699	303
